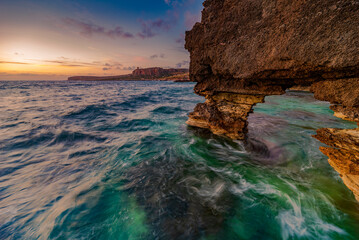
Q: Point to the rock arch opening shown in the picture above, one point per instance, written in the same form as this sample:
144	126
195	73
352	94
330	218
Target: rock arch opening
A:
231	114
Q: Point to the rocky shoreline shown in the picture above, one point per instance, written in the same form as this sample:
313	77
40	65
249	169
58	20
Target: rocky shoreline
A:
142	74
244	50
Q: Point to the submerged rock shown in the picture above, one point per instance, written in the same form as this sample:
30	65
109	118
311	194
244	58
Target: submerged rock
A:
249	49
179	204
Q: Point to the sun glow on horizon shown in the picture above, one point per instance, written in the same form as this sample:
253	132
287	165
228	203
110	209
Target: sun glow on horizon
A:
58	39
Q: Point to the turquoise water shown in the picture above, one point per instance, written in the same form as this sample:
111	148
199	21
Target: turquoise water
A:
115	160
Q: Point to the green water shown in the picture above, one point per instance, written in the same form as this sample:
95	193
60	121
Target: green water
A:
117	161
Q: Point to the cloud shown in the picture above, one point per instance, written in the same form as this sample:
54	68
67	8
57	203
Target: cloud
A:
184	63
115	65
6	62
129	68
66	62
89	29
157	56
151	28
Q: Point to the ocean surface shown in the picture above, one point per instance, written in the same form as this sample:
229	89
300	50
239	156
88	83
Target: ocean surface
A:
115	160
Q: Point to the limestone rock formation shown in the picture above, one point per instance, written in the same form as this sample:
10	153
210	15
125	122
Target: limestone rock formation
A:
344	94
343	154
343	150
262	47
275	41
244	50
225	113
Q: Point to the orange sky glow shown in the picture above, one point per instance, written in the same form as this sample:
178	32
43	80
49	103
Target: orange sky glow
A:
58	39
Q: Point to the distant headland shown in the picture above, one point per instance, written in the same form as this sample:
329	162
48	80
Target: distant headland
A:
142	74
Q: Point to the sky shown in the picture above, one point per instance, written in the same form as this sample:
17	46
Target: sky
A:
52	40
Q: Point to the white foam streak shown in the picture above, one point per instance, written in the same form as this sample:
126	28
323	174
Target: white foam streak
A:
296	224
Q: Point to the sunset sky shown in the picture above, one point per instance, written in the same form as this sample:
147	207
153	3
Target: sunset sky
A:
51	40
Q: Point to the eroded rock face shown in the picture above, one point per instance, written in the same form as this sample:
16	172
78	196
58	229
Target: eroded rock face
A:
225	113
257	48
343	150
274	42
344	94
263	47
343	154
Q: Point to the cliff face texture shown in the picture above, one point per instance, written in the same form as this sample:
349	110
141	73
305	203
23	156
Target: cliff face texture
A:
244	50
343	154
157	72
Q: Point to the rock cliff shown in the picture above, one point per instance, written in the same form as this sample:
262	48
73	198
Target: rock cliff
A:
343	154
244	50
155	73
158	72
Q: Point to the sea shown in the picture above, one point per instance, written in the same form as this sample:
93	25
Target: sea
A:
116	160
